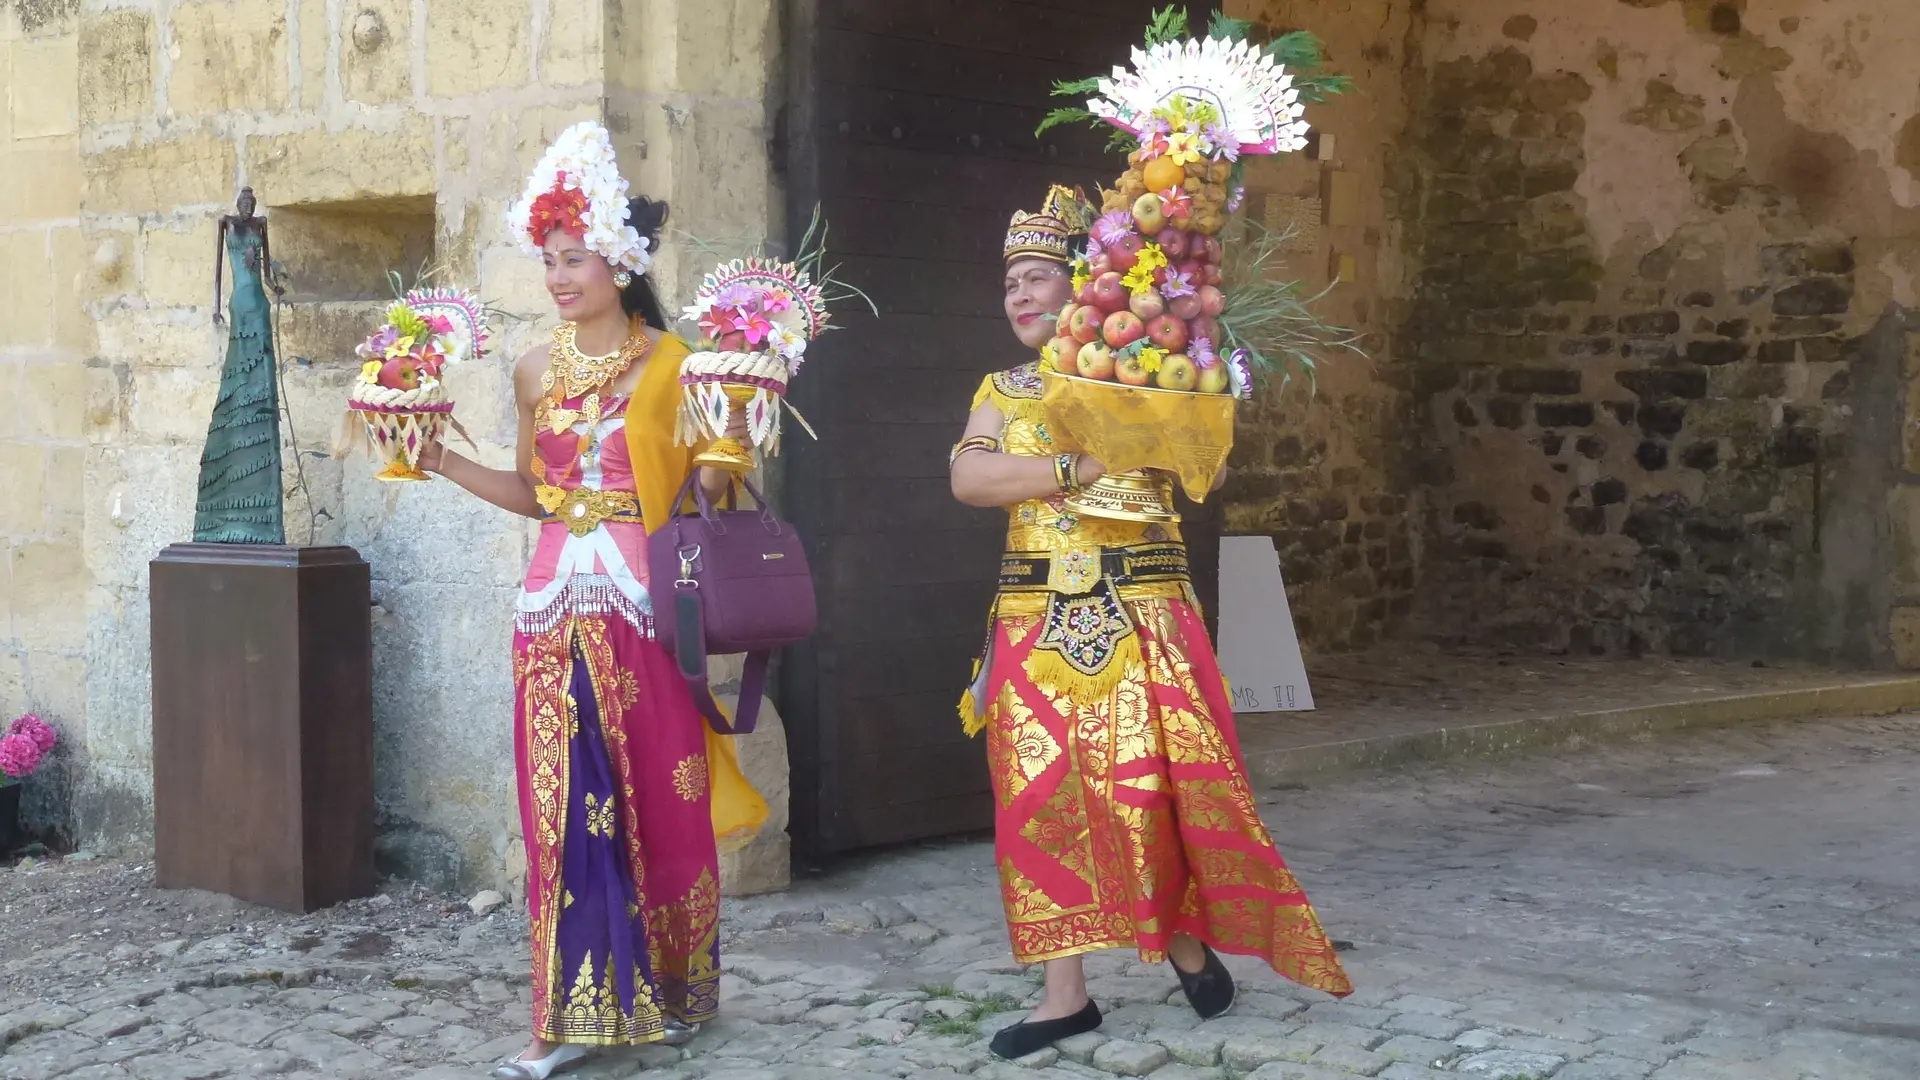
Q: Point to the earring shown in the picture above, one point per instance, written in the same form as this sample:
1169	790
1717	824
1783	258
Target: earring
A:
622	279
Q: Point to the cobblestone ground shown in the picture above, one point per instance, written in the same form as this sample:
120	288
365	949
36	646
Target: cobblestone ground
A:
1737	906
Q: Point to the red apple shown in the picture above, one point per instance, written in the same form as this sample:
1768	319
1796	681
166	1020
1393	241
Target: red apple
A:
1168	332
1066	355
1122	329
1212	275
1186	307
1215	380
1099	264
1131	371
1195	269
1085	296
734	342
1095	361
1148	305
1204	326
1213	250
1108	293
399	373
1212	300
1084	326
1123	251
1150	214
1173	241
1177	373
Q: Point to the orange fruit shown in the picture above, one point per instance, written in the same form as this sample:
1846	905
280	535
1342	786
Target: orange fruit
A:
1161	174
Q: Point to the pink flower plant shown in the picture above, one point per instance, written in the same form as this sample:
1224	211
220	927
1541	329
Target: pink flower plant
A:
36	729
23	747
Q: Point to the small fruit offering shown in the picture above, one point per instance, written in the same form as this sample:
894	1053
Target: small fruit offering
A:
398	396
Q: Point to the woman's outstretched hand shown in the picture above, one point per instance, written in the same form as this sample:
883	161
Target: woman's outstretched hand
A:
432	456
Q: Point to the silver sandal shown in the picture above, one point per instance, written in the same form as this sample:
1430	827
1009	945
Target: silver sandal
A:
679	1033
562	1058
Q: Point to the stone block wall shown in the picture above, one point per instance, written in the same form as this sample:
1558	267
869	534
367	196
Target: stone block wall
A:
1316	465
127	132
44	344
1657	344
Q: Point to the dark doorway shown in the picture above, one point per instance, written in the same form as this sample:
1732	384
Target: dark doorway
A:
911	123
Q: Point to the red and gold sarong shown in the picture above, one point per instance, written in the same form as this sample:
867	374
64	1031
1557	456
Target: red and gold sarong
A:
1125	817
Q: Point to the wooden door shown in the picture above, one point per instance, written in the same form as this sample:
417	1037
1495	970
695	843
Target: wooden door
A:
911	124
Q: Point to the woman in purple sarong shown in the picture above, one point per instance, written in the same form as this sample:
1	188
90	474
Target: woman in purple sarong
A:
623	786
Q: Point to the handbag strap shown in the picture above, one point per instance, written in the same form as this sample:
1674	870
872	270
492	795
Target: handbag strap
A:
703	503
746	712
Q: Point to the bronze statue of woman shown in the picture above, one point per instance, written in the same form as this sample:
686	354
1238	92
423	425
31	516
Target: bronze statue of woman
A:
241	498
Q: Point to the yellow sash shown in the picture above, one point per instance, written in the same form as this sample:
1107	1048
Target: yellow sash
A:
660	468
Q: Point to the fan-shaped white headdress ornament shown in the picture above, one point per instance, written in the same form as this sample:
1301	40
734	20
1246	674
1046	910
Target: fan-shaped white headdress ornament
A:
1229	89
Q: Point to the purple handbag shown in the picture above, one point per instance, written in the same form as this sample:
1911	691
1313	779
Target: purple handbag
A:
728	581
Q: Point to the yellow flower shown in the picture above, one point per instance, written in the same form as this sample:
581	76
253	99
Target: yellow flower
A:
1153	257
370	371
1184	147
1080	277
400	347
1150	358
1139	279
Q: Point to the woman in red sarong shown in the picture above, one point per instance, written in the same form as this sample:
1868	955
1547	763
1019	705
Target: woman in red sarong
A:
1123	814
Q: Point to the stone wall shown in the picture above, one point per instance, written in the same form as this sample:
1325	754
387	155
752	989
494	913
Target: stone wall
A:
44	344
1658	342
130	129
1316	465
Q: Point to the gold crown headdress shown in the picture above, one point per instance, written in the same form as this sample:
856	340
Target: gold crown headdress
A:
1047	234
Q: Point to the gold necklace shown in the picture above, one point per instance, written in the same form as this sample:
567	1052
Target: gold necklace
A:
574	374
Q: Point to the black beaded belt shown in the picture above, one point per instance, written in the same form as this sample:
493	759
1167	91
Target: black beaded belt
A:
1077	572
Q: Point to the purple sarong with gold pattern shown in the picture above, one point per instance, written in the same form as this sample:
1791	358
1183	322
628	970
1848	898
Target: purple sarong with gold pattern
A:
611	755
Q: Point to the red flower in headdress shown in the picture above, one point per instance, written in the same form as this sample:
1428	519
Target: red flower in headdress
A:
562	208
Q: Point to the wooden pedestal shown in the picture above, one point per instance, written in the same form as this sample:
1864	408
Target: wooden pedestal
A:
263	723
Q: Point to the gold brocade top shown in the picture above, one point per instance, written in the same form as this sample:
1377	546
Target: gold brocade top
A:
1046	525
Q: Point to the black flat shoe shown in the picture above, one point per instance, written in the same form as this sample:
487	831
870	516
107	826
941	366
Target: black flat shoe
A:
1210	990
1033	1036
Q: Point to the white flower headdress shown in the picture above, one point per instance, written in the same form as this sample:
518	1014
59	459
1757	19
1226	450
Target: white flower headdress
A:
577	188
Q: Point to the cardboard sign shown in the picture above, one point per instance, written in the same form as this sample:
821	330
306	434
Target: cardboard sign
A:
1259	651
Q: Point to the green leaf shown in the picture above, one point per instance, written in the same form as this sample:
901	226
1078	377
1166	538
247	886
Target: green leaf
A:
1318	89
1229	29
1298	49
1057	117
1076	87
1169	24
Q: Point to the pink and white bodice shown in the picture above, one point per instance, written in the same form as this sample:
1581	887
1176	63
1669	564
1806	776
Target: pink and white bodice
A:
603	573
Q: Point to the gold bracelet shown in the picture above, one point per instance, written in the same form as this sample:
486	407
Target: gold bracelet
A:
973	442
1066	472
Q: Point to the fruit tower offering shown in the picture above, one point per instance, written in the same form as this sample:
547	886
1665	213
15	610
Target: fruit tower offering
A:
399	395
1147	361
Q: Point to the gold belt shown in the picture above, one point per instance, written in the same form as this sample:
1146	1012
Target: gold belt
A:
584	509
1072	573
